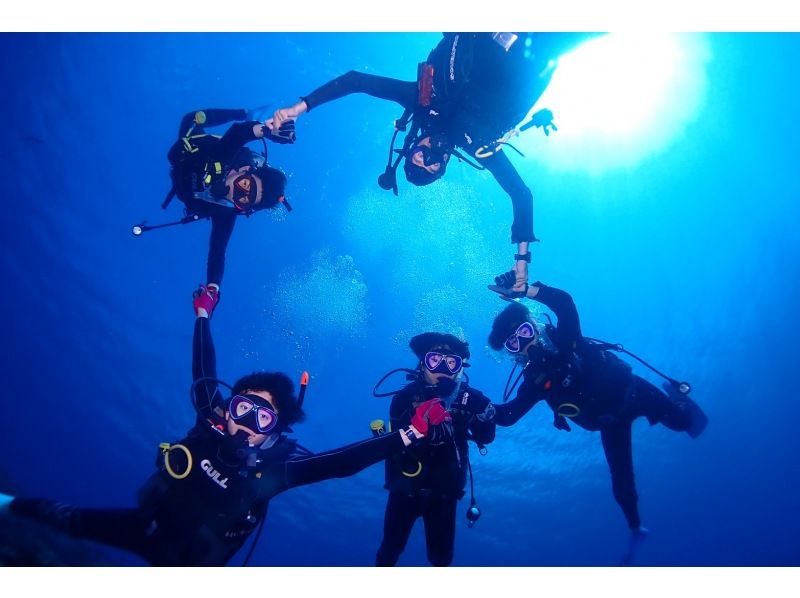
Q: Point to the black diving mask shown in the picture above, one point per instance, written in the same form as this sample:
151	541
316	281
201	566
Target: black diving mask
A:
251	412
437	153
524	334
442	363
245	192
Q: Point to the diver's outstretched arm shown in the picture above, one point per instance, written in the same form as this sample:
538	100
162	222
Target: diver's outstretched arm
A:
221	230
522	203
204	358
507	414
342	462
430	421
385	88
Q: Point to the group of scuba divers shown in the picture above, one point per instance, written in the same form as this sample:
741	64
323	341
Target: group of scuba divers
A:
211	489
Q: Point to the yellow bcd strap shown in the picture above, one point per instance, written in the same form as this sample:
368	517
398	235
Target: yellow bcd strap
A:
415	474
217	166
568	410
188	143
166	449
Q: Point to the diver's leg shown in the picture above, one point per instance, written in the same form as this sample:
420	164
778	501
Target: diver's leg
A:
440	530
619	455
401	513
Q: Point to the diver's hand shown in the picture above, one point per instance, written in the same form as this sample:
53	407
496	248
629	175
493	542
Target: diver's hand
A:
544	120
506	279
284	134
433	421
440	433
429	413
205	299
560	422
487	414
507	287
473	406
281	115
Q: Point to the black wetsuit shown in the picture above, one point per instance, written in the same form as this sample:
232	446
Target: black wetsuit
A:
204	518
480	92
600	387
196	154
428	481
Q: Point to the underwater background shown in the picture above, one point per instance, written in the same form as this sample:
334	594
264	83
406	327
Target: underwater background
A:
687	253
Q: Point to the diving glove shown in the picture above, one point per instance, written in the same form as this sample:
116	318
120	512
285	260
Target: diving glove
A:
205	299
433	421
504	284
285	134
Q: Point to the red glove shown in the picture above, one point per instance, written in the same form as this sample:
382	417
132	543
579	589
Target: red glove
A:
205	298
430	413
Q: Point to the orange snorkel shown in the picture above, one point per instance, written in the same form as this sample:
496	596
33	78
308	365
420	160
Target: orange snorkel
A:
303	385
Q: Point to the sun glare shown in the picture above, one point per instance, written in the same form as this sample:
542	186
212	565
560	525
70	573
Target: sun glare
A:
618	98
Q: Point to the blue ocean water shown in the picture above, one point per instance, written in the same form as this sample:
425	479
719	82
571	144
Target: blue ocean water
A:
689	257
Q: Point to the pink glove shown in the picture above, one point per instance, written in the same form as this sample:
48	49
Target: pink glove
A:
429	413
205	299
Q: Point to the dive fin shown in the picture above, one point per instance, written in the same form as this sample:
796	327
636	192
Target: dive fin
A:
699	420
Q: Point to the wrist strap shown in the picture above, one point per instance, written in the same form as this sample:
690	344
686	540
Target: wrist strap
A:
412	434
525	258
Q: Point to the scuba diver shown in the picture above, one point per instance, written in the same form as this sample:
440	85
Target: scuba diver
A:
219	178
212	488
583	382
428	481
471	93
